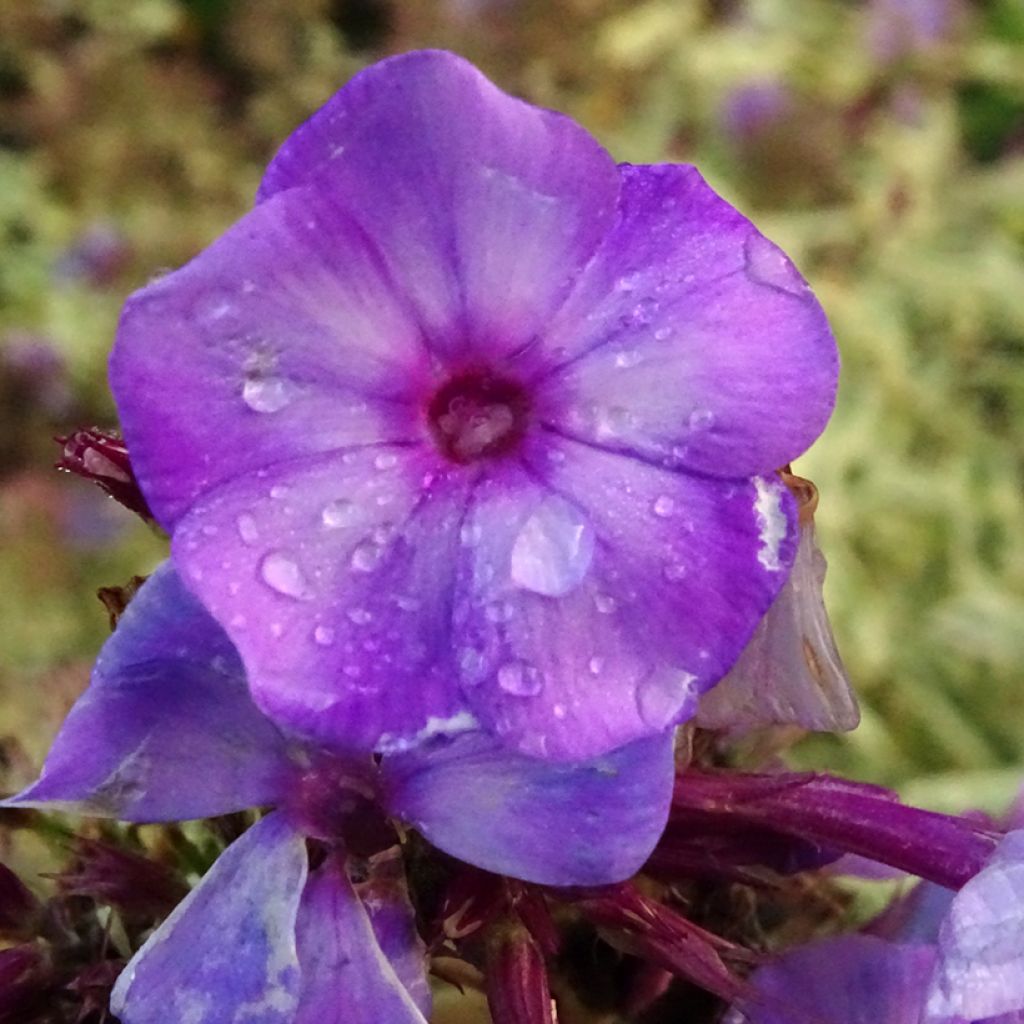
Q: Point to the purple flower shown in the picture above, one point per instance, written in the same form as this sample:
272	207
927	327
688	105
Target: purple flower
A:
167	731
968	968
465	423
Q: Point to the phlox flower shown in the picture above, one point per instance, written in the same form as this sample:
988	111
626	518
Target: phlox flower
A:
306	917
466	426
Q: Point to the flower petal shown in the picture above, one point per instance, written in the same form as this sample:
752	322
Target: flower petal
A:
483	206
227	955
690	337
282	339
790	673
980	968
167	730
332	575
346	978
587	823
847	980
660	580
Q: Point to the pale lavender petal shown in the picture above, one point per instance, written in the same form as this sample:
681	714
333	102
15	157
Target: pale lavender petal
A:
980	969
790	673
333	577
167	730
643	588
227	955
690	338
282	339
483	206
855	979
346	978
588	823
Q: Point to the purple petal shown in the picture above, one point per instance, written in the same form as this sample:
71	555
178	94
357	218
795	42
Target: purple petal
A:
482	205
790	673
346	978
690	337
167	730
333	577
588	823
980	969
284	338
599	596
856	979
227	955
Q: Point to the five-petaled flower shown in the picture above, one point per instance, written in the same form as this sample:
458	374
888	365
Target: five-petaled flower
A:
465	425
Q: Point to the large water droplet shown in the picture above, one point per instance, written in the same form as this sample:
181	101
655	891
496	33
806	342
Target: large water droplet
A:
366	557
247	528
338	514
267	394
767	264
281	572
553	551
665	696
519	679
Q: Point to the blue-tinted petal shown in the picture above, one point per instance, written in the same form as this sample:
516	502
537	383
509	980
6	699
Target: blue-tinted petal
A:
346	977
166	730
585	823
855	979
227	955
980	968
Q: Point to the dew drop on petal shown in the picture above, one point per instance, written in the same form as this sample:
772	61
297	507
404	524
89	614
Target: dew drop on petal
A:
701	419
385	460
554	548
338	514
596	666
767	264
674	571
473	666
267	394
323	635
519	679
605	603
281	573
366	557
665	695
360	616
664	506
247	528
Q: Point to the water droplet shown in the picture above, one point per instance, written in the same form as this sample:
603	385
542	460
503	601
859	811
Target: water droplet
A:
596	666
701	419
663	334
385	460
276	630
408	603
499	611
554	549
267	394
360	616
339	514
473	666
247	529
470	534
323	635
624	360
664	506
674	572
559	711
279	491
366	557
519	679
665	696
605	603
767	264
281	572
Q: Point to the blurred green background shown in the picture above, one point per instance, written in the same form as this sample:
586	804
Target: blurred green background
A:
881	142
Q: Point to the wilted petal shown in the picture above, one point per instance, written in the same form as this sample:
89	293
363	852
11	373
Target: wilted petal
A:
333	577
856	979
346	978
557	824
690	337
167	730
661	578
980	968
790	673
227	955
282	339
481	205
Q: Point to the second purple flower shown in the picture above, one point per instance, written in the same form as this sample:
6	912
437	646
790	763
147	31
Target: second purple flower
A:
466	425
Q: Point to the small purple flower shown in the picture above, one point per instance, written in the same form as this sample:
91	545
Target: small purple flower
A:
167	731
971	969
464	424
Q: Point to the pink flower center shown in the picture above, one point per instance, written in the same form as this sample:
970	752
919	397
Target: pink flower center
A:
477	415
